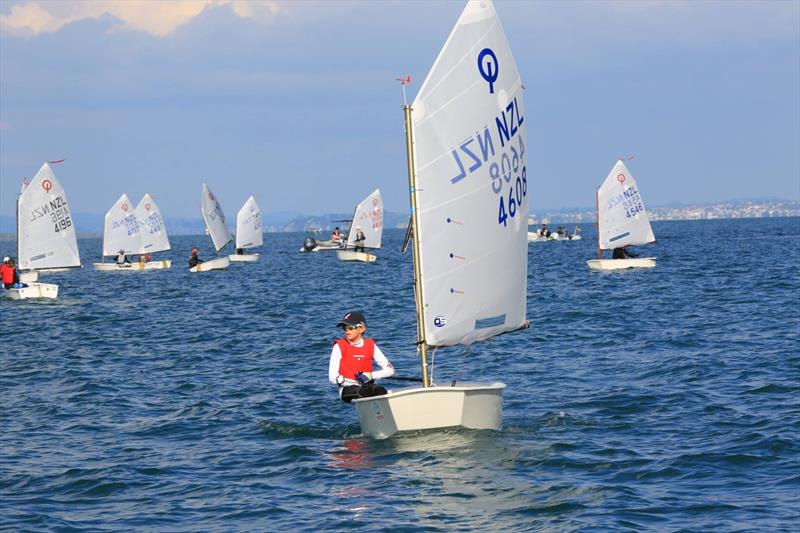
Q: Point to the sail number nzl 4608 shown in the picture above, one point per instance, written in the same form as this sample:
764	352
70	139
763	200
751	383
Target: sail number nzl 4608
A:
506	167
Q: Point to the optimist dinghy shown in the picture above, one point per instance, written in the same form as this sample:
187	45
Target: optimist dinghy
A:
368	223
621	221
152	233
46	239
217	229
249	231
468	223
120	234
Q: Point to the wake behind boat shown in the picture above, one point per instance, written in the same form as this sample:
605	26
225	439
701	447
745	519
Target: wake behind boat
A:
465	228
366	230
621	221
44	243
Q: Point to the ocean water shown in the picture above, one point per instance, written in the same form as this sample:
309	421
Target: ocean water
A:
662	399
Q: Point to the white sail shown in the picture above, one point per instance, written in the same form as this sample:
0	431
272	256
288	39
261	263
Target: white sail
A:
621	216
121	229
368	218
46	231
214	219
470	149
151	226
249	231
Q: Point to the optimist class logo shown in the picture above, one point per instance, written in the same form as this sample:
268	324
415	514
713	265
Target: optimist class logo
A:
125	207
47	185
621	179
147	207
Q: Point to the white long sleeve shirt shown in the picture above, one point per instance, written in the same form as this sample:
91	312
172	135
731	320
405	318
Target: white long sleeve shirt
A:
386	368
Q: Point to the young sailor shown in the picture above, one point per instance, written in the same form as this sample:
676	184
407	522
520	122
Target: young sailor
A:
351	364
336	235
194	260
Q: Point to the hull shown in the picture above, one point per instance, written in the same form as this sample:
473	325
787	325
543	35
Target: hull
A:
244	258
471	405
33	290
535	237
219	263
351	255
622	264
133	267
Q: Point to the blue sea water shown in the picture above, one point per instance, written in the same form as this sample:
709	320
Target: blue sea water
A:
660	399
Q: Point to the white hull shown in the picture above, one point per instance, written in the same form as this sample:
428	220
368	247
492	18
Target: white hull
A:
535	237
133	267
218	263
621	264
244	258
29	276
471	405
351	255
323	246
33	290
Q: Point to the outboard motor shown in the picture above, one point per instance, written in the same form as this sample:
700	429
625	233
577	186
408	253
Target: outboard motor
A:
309	244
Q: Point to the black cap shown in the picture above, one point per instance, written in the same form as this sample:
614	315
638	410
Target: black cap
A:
353	318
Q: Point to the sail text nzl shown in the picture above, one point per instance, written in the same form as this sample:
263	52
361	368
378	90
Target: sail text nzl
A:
480	146
630	200
57	210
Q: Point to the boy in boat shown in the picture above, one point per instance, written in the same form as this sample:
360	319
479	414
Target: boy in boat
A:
194	260
122	258
623	253
360	240
350	367
336	234
10	274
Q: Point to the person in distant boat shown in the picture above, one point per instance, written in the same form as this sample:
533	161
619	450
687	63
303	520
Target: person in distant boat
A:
10	274
360	240
240	251
194	260
336	235
122	259
545	231
352	358
146	258
623	253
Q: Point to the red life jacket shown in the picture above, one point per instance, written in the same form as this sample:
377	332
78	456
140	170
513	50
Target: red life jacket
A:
8	274
355	358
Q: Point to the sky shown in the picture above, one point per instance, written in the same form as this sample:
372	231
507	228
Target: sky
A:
297	102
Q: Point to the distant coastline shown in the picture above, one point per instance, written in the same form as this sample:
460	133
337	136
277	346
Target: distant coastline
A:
91	225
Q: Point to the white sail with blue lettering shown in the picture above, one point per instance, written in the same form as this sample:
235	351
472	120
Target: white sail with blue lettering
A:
153	232
470	151
622	219
121	229
46	231
249	230
368	218
214	219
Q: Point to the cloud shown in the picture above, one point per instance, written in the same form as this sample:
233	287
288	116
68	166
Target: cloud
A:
156	18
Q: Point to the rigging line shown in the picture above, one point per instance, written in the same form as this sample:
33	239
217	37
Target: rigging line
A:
461	366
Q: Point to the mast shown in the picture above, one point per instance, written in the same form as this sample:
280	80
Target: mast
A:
597	202
421	342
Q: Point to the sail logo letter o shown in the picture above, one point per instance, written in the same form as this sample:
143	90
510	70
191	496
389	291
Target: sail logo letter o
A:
47	185
439	321
621	178
492	67
125	207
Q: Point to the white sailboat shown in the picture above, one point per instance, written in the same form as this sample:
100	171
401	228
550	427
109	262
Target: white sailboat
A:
46	239
152	234
368	221
217	229
249	231
465	138
121	233
621	221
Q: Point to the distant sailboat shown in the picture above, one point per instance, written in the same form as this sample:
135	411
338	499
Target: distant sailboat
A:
46	239
217	229
468	222
120	234
368	220
249	231
621	221
152	233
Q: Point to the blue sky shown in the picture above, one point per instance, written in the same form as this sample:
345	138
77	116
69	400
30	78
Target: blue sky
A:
297	103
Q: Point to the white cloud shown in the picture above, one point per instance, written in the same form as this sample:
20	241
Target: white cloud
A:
156	18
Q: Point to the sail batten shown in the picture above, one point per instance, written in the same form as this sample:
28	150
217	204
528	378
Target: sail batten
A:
470	189
46	235
622	218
